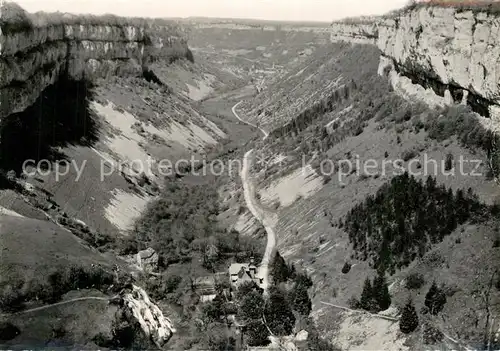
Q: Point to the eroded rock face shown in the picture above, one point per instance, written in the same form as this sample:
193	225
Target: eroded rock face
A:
363	32
454	52
34	58
151	319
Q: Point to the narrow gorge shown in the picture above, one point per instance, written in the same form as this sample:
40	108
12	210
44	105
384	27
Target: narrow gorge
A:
124	223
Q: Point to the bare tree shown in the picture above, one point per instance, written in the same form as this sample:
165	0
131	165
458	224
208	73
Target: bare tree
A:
487	304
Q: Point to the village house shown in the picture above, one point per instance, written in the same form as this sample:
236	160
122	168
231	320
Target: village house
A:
240	273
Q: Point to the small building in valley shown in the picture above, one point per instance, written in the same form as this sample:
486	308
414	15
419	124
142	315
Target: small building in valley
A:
240	273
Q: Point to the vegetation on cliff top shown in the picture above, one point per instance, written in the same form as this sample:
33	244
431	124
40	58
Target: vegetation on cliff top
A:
15	19
492	7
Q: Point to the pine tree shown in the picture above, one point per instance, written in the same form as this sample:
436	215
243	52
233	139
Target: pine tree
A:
301	301
279	269
409	318
346	268
381	291
279	315
430	296
366	296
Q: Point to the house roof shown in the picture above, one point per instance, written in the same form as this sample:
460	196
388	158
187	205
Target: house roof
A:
242	273
207	280
235	268
244	277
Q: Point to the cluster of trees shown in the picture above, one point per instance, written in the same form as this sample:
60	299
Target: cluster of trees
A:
459	121
261	316
375	296
183	221
59	282
161	288
126	333
435	299
287	294
306	117
298	295
273	315
405	217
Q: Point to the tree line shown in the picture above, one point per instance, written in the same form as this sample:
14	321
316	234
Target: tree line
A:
405	217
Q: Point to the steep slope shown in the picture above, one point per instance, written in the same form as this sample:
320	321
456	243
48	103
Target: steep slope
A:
305	85
314	169
89	131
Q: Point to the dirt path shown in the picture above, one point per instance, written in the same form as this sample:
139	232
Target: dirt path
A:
389	318
266	134
266	220
56	304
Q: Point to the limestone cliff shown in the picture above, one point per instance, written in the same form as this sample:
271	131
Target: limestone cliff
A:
34	56
453	51
356	31
151	319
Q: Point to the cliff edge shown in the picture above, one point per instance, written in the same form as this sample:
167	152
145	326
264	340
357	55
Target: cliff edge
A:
35	50
452	50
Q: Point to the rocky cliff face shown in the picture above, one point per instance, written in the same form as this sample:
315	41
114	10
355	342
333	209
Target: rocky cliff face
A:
34	58
453	52
362	32
151	319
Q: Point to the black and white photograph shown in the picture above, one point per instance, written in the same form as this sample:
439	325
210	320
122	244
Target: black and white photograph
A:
250	175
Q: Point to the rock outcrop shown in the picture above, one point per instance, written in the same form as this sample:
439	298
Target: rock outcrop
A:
32	57
151	319
148	260
362	31
453	51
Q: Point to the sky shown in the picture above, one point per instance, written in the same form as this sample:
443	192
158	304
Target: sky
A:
289	10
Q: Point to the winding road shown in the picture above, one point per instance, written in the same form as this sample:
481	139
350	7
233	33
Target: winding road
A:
266	220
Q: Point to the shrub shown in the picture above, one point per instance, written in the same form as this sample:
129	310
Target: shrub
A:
11	298
14	19
354	303
347	267
409	154
8	331
496	243
435	299
103	340
189	55
414	281
431	334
